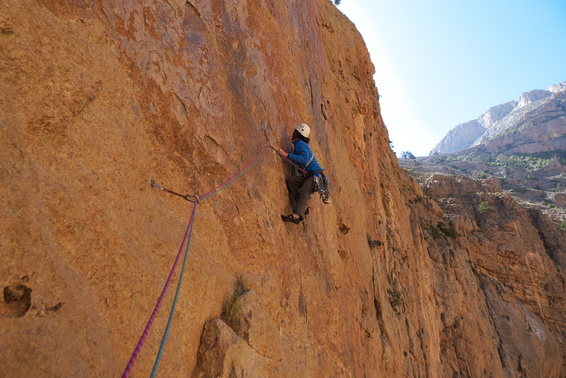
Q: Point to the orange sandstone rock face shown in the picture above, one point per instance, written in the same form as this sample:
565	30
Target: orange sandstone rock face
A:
100	99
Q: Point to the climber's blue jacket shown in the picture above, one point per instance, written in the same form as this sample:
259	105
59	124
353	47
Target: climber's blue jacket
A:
302	154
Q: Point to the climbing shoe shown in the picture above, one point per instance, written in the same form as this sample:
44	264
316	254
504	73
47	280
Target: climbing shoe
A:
291	218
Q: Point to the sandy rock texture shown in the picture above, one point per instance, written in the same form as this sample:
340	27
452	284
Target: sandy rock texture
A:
518	257
99	98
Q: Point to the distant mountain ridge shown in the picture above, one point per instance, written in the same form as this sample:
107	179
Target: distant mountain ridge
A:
543	110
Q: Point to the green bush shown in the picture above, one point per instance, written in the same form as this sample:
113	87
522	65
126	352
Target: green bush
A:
440	229
435	232
446	230
548	204
373	243
232	305
522	189
395	299
484	207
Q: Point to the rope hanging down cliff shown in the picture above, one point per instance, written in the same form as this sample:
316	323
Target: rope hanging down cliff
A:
195	200
187	239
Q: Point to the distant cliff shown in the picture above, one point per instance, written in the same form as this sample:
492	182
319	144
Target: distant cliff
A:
99	98
537	118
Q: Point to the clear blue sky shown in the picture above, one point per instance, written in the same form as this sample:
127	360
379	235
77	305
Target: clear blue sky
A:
440	63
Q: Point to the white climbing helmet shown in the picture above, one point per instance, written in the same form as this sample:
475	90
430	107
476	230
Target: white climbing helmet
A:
303	129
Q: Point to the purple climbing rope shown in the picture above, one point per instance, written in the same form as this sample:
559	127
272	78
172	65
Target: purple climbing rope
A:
218	188
157	305
235	176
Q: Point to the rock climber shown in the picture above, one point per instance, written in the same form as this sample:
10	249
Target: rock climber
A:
301	187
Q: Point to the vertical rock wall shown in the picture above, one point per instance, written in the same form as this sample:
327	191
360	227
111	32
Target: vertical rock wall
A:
100	98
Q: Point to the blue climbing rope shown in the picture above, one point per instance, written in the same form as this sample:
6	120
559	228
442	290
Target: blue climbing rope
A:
174	305
188	236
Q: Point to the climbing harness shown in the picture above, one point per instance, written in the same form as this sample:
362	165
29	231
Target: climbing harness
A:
308	162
